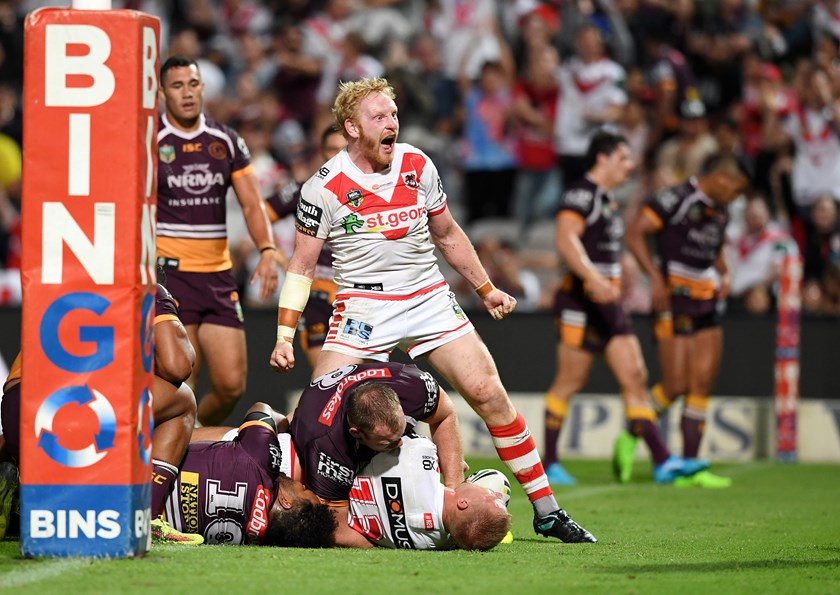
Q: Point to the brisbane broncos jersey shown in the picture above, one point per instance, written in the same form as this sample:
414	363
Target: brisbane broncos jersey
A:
195	170
329	455
226	489
604	230
689	238
376	224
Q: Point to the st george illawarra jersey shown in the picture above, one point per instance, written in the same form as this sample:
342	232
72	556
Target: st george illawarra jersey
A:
376	224
195	170
397	498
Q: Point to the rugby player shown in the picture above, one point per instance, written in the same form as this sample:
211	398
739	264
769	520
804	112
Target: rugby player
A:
198	161
589	316
398	501
239	491
688	222
381	207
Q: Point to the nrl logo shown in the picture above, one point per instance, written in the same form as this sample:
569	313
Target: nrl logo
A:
410	180
166	153
354	198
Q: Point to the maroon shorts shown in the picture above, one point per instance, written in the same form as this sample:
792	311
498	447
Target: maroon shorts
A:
686	317
206	297
10	411
584	324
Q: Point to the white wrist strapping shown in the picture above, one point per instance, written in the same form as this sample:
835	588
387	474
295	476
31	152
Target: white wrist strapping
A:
295	292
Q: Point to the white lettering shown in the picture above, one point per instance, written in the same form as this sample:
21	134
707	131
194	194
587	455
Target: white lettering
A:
109	525
41	524
150	160
58	66
78	157
142	518
96	257
150	44
148	216
86	523
218	499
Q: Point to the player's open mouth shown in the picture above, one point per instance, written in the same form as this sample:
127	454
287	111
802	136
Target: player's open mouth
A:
388	142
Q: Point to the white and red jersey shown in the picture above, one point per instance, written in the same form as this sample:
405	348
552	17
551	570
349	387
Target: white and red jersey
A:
376	224
816	166
587	91
397	499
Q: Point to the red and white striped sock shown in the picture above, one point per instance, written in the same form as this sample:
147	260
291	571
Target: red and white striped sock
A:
518	451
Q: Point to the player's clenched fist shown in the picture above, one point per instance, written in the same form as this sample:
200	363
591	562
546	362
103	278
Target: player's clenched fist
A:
283	356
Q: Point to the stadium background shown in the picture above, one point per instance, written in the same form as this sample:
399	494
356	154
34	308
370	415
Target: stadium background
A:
237	42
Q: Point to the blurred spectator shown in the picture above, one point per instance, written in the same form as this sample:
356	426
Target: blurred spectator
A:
354	62
755	257
822	252
187	43
722	35
505	269
488	143
764	96
682	156
591	95
11	45
298	73
812	129
669	75
609	20
468	32
537	186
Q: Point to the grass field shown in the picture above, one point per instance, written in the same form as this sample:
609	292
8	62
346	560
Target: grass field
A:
775	531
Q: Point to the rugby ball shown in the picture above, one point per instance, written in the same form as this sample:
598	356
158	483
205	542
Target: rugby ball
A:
492	479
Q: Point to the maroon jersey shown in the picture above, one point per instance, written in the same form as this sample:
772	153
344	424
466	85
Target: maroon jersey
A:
225	489
329	455
195	170
604	229
689	238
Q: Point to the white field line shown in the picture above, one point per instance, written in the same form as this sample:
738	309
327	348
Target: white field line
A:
38	570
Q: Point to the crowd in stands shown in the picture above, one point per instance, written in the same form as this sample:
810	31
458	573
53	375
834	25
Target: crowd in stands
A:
504	94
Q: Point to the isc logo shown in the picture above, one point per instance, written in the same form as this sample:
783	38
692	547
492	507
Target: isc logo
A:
74	524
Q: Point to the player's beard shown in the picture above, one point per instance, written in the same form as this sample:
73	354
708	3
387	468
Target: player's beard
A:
371	150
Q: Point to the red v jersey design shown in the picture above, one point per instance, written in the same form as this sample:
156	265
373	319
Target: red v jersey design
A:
364	202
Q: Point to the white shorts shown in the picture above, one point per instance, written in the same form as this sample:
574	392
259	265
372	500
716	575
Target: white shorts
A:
370	326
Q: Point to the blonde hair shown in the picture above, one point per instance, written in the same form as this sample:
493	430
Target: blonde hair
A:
350	95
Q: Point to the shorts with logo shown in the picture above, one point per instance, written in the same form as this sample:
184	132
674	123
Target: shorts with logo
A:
686	317
368	326
584	324
315	320
210	298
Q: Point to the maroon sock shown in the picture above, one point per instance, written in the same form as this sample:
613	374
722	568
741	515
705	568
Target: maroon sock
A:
553	425
163	475
692	431
647	430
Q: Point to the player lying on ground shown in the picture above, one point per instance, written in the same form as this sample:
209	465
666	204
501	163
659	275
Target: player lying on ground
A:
398	501
238	492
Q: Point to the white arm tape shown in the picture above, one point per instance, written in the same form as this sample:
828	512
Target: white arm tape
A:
295	292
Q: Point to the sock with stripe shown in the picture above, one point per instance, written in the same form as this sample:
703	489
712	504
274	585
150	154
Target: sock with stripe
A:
555	414
693	423
517	450
640	422
163	475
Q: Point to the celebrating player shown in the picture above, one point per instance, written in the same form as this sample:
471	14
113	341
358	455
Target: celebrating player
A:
380	204
688	222
198	160
589	316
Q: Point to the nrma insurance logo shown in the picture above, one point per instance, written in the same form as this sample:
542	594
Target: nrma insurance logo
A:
87	431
